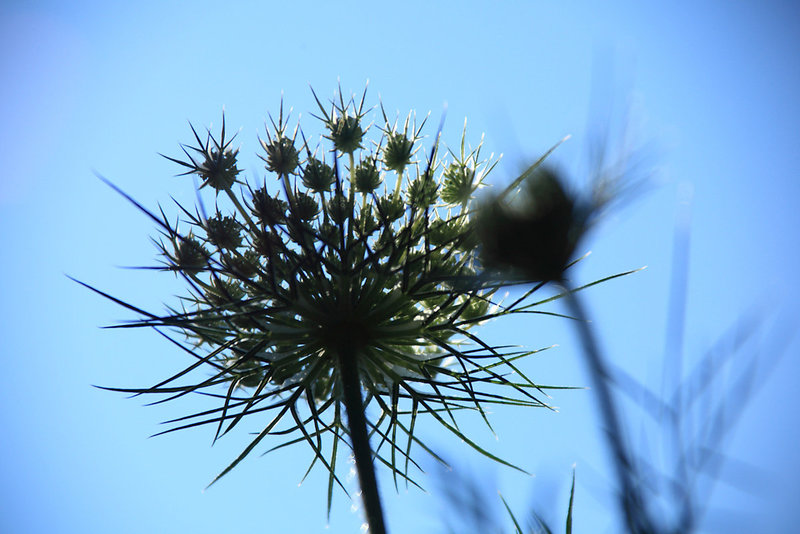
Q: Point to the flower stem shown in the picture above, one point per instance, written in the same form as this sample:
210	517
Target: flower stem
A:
398	185
357	425
351	200
631	501
241	209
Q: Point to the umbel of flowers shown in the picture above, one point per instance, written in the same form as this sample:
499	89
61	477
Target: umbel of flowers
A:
333	300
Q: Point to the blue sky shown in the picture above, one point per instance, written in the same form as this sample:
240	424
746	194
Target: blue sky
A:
708	91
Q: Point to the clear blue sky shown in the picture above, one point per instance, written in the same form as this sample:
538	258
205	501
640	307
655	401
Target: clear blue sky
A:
711	90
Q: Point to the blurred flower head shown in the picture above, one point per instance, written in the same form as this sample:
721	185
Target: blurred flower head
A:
534	235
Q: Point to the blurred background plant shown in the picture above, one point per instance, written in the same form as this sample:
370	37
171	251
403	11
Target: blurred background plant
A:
665	481
679	458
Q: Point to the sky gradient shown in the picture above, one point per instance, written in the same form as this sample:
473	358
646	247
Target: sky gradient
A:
704	94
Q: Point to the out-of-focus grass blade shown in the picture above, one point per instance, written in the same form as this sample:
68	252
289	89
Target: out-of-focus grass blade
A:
571	501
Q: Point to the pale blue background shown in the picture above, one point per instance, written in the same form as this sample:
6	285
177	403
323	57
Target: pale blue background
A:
711	90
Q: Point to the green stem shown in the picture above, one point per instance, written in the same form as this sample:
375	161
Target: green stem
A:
241	209
351	200
398	185
357	426
288	187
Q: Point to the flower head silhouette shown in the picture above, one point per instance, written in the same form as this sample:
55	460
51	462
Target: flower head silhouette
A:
339	308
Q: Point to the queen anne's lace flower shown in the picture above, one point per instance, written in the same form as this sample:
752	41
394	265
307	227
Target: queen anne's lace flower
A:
345	279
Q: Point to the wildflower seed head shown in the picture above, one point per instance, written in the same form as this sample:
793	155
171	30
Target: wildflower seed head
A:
219	169
423	191
339	208
269	210
299	280
224	292
281	155
367	177
305	207
459	184
224	232
266	243
242	266
391	208
398	151
346	133
190	256
317	176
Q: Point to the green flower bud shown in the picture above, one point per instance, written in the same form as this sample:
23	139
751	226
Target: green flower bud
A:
330	233
459	184
224	292
346	133
216	164
224	232
242	265
317	176
339	208
190	256
367	177
267	243
281	155
441	266
391	208
444	233
452	233
423	191
269	210
219	169
397	153
300	232
305	207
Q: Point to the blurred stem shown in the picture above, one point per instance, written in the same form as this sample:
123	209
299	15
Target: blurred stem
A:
357	425
241	209
631	502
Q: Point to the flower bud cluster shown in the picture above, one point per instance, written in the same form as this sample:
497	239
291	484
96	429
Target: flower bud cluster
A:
355	244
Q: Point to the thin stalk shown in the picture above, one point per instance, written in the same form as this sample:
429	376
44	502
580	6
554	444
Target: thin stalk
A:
357	425
631	502
241	209
398	184
351	199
